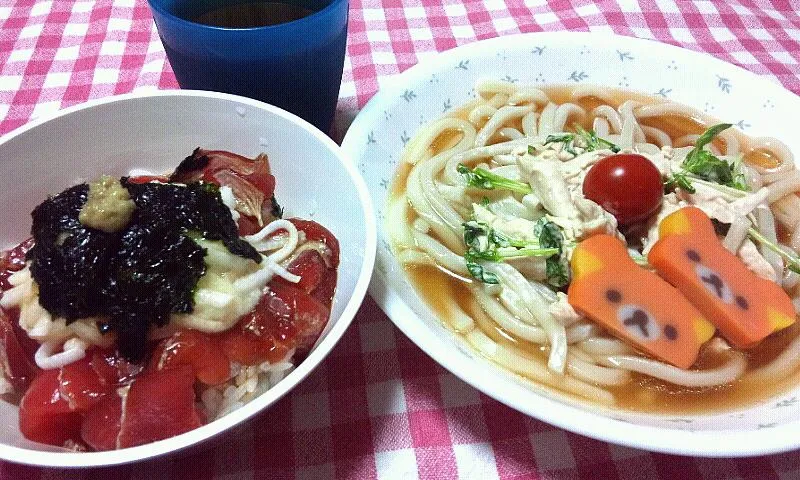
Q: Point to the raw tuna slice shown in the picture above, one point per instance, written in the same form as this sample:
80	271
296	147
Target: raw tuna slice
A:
46	417
16	362
81	386
101	425
197	349
159	404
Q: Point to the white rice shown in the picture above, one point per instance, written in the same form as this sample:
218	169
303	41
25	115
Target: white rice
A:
247	383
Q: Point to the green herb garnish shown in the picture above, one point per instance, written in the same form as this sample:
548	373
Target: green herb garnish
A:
486	244
486	180
792	259
639	259
568	139
558	273
478	272
557	270
706	166
591	141
679	180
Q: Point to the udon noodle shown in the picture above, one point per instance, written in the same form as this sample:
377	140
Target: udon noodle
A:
528	327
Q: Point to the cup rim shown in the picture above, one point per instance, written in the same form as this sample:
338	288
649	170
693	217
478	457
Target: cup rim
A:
154	5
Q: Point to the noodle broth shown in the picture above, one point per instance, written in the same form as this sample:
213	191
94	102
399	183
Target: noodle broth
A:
449	293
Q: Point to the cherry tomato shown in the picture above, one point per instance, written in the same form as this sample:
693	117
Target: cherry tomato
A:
626	185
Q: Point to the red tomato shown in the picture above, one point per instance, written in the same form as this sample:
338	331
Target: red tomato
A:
44	415
81	386
196	349
160	404
626	185
101	425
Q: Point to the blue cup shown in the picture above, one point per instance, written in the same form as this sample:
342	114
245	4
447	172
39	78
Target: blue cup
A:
296	65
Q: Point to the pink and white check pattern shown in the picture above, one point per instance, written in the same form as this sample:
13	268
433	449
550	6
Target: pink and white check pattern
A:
378	407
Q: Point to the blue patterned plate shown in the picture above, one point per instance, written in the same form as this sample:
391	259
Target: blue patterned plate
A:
430	89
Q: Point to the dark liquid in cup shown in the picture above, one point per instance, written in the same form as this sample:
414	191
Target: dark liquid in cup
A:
253	15
293	65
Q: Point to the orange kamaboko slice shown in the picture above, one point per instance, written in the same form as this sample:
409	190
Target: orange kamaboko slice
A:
744	307
635	304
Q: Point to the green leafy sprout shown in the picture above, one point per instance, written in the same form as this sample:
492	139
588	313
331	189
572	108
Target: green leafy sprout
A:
487	244
557	270
792	259
701	164
679	180
486	180
589	138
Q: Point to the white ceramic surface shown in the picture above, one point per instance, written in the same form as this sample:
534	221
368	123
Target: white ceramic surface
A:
155	131
426	91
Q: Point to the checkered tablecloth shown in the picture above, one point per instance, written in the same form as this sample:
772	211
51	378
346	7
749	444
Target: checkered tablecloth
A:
378	407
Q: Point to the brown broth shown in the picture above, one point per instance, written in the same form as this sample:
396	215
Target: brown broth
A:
761	158
644	393
253	15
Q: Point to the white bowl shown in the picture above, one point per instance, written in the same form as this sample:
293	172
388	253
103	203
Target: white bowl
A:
155	131
425	91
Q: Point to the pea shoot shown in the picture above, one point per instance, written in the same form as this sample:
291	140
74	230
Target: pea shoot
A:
701	164
486	180
487	244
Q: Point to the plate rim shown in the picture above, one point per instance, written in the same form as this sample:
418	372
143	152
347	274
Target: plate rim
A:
573	418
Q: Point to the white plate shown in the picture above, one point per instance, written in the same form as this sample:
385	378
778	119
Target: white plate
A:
155	131
427	90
